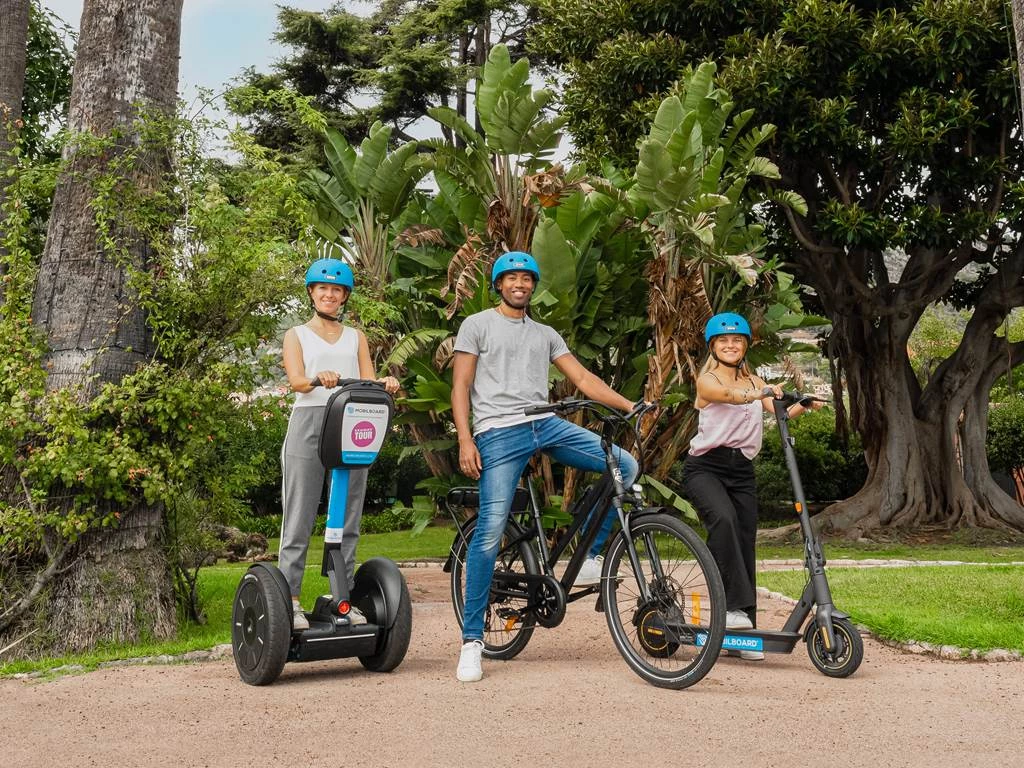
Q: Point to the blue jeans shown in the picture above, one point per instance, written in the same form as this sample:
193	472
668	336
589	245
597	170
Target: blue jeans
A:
504	453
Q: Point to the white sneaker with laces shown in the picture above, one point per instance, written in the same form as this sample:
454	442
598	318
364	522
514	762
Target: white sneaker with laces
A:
469	662
355	616
590	572
299	620
737	620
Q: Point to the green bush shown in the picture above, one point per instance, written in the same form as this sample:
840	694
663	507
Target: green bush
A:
1005	440
828	469
388	521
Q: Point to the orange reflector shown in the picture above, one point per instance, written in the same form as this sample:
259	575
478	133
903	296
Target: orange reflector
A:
695	600
824	638
509	623
798	507
653	631
344	607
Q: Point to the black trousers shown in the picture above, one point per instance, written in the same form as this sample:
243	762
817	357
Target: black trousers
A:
720	485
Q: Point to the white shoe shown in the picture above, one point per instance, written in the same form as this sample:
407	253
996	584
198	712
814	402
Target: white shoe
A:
299	620
469	662
355	616
590	572
737	620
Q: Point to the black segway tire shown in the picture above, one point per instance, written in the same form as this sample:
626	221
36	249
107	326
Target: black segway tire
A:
260	628
395	642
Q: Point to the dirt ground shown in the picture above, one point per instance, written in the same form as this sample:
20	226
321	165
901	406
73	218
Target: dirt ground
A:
567	700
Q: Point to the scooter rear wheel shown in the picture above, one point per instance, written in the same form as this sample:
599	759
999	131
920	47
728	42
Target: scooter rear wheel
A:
845	659
260	628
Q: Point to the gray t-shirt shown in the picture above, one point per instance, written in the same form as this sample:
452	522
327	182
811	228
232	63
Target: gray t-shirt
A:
513	358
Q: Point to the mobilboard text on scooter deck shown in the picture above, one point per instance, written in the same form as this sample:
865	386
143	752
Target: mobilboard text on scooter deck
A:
833	642
357	418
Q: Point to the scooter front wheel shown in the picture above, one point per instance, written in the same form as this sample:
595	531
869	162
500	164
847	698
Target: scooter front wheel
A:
260	628
843	660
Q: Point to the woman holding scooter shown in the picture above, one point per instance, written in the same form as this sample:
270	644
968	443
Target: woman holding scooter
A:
326	350
718	475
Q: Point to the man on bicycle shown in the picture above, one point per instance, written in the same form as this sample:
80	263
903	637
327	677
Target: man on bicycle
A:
502	357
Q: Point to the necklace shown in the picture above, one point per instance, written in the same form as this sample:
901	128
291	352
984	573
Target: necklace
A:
510	317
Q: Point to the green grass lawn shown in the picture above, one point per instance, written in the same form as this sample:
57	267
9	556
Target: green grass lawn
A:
967	606
971	606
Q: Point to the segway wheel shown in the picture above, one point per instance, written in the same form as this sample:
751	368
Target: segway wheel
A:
394	644
260	628
843	660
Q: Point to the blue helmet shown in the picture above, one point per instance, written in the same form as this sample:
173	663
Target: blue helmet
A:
726	322
331	271
515	261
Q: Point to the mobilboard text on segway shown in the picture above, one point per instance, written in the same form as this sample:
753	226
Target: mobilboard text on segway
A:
357	418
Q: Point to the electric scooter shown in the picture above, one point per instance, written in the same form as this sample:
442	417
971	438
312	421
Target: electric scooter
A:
263	638
833	642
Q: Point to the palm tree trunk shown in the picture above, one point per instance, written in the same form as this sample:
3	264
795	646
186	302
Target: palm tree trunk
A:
13	47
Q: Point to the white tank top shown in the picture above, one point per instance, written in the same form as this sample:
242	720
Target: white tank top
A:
320	355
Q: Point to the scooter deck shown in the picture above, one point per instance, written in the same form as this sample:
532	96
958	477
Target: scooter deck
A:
331	640
768	641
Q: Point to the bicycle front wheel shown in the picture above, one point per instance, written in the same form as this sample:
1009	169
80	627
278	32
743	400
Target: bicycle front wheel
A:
672	635
508	623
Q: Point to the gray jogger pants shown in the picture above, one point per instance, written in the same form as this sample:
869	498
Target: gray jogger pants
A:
302	482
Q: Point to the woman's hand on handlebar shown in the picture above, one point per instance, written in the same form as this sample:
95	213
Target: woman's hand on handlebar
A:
390	383
772	390
469	458
325	379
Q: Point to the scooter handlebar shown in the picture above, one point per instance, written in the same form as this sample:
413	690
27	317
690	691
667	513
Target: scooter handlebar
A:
795	398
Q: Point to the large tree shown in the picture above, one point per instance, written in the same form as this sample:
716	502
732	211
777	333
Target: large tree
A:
114	584
898	126
391	65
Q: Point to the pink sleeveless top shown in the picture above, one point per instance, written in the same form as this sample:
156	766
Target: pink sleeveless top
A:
730	426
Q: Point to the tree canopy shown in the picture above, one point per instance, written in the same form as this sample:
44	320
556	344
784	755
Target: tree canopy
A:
897	125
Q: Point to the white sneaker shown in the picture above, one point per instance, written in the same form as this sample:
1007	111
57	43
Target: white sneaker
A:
737	620
355	616
590	572
469	662
299	620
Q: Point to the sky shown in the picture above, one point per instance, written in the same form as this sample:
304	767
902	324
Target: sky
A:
219	38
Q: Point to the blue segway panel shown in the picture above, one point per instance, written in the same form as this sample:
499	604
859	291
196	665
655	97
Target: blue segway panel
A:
356	421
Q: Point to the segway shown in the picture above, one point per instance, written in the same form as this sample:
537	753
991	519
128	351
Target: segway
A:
356	421
833	642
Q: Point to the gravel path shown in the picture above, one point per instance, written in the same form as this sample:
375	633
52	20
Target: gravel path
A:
567	700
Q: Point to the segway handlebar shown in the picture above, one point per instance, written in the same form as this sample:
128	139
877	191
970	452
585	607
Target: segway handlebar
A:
315	382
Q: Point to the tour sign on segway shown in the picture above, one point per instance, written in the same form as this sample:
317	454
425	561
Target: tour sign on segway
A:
833	642
356	422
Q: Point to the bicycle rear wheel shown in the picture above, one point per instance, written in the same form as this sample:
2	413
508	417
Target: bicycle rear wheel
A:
508	625
672	637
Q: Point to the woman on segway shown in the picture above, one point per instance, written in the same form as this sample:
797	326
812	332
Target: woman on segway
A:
718	475
321	348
